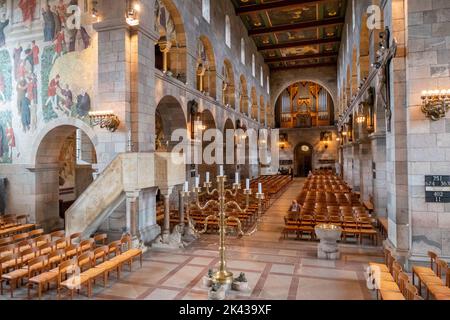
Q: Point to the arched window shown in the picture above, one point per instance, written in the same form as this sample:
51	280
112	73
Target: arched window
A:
243	51
268	84
261	76
227	31
206	10
253	65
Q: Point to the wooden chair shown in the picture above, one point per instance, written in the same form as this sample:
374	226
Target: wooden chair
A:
14	277
422	272
72	251
87	245
411	291
436	287
36	233
73	237
43	239
100	239
58	234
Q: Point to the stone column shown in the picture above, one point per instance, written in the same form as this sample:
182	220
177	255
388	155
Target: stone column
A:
132	210
396	139
379	173
165	193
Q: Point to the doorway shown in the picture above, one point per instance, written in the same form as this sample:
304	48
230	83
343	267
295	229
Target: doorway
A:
64	170
303	159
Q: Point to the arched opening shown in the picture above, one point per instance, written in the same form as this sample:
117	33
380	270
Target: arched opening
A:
206	67
304	104
229	168
243	103
228	87
364	58
227	31
348	87
168	118
254	104
170	50
269	116
303	159
207	122
64	169
355	74
262	113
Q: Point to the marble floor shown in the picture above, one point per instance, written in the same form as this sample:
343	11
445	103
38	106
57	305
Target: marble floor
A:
275	268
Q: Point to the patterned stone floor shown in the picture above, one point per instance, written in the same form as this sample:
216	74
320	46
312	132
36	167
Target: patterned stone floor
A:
276	268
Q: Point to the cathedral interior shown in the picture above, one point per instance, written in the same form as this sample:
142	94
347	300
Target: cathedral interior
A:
224	149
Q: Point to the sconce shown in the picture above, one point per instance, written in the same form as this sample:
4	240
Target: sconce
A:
94	11
360	118
132	14
435	103
105	119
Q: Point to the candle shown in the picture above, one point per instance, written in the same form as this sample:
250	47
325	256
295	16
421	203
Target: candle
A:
186	186
260	187
197	182
221	171
247	184
236	177
207	177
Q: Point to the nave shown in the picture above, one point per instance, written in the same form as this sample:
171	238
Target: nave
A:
276	268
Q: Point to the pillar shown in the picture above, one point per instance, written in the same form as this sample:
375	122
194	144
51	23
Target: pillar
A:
132	200
165	193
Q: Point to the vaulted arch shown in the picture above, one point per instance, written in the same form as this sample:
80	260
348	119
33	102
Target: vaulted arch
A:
206	67
228	86
170	49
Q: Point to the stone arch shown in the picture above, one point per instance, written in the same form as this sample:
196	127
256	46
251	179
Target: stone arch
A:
55	165
243	96
170	49
262	111
229	168
168	118
208	122
254	101
348	87
364	40
304	104
355	73
281	80
300	163
59	123
228	86
206	67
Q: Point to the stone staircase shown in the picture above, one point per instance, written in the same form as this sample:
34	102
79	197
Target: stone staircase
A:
127	173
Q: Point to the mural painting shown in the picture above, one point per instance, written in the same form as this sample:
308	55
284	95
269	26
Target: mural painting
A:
5	78
7	137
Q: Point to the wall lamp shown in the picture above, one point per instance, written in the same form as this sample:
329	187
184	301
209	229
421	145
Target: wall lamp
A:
104	119
435	103
132	14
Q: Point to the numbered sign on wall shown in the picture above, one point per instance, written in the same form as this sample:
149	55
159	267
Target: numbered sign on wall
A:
437	189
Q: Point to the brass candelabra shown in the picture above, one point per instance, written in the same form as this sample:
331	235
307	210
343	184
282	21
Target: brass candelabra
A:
222	276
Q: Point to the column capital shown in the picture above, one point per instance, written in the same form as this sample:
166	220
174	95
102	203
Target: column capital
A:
166	191
132	195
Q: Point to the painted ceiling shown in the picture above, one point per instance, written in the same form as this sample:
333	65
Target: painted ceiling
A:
294	33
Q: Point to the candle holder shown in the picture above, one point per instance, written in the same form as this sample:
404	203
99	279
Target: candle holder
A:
223	276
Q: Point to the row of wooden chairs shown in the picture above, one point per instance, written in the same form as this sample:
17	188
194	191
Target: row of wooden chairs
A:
18	257
431	278
390	281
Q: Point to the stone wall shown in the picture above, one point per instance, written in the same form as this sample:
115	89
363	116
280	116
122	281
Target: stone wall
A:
117	70
428	37
311	137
